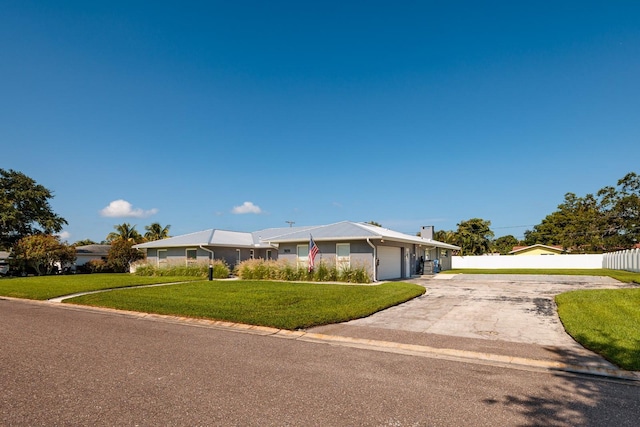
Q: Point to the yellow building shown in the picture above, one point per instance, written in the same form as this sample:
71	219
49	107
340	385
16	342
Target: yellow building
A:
537	249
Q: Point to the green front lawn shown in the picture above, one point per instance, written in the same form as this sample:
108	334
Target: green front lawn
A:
623	276
283	305
46	287
605	321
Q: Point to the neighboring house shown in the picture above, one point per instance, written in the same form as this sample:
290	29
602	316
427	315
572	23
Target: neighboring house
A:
537	249
385	253
88	253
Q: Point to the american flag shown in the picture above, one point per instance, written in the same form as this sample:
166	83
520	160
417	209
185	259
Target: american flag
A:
313	251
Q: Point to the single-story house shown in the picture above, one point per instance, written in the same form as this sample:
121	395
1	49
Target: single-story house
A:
88	253
537	249
385	253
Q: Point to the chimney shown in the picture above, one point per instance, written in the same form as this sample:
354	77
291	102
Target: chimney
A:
427	232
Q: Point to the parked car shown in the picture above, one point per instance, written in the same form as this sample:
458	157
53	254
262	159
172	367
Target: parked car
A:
4	268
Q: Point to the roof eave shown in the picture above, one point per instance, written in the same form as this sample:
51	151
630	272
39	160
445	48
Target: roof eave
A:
324	239
376	237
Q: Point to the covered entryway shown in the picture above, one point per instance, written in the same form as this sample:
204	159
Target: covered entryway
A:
390	265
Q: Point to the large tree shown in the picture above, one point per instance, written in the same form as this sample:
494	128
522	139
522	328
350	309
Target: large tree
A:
156	231
505	244
576	226
621	212
474	236
24	208
609	220
126	232
122	254
43	253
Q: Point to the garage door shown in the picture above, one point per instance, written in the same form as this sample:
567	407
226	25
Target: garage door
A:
390	259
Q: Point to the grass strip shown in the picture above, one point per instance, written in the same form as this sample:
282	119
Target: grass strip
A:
621	275
605	321
46	287
283	305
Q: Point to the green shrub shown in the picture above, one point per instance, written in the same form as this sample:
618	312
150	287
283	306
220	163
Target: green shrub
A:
288	272
220	270
321	273
95	266
345	275
361	275
259	269
145	270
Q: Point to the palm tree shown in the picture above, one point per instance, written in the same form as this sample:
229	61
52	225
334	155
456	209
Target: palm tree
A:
446	236
125	232
156	232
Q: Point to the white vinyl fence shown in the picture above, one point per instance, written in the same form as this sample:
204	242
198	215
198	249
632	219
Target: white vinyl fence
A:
589	261
623	260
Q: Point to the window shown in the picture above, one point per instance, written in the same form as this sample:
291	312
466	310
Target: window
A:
343	255
192	256
303	256
269	254
251	254
162	256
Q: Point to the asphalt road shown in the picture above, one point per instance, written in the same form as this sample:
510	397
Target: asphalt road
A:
63	365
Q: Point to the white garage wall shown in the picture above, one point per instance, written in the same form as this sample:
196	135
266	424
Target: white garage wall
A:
591	261
390	266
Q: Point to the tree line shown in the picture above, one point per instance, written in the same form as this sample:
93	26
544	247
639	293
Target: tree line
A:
606	221
28	228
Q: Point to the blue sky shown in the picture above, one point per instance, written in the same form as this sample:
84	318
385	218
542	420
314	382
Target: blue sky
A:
243	115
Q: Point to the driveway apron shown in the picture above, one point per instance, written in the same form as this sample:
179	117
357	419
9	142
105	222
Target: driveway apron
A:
510	308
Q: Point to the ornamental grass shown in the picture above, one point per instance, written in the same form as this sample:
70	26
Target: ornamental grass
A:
200	270
260	269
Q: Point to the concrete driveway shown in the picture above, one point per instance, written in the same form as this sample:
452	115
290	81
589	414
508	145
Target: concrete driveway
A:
511	308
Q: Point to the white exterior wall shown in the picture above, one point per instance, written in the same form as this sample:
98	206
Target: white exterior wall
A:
623	260
589	261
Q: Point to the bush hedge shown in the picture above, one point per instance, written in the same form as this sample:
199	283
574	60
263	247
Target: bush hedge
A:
260	269
220	270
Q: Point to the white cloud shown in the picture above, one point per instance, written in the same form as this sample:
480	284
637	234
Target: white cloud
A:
123	209
64	235
245	208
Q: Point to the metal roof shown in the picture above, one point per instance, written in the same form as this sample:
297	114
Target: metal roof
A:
192	239
210	237
93	249
345	230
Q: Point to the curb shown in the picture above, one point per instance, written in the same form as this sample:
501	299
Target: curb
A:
467	356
